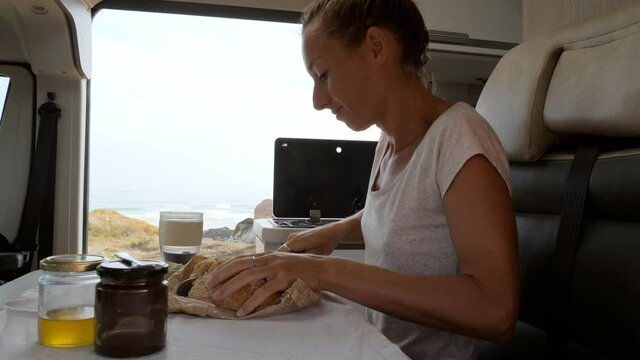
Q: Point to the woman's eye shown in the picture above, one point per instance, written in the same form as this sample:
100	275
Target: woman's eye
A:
323	76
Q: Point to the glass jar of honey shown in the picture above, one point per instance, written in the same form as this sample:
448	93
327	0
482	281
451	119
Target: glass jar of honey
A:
66	300
131	308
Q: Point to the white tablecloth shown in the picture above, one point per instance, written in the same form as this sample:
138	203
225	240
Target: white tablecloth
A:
330	330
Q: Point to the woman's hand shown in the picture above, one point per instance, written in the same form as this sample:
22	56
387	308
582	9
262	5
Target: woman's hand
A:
320	241
280	269
323	240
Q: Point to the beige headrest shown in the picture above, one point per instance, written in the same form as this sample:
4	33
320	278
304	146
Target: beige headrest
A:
581	79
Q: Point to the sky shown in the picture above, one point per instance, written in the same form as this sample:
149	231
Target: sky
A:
187	108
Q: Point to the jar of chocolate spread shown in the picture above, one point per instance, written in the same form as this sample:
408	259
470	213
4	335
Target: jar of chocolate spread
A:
131	308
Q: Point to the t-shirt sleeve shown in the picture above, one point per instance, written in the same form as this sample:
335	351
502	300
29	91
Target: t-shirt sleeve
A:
461	137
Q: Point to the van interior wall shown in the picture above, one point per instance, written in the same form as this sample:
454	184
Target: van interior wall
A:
10	43
16	132
40	35
456	92
69	198
540	16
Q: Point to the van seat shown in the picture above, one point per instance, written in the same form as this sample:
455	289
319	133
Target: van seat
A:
546	97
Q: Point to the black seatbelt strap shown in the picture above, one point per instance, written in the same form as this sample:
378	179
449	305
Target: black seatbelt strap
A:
45	226
566	248
37	215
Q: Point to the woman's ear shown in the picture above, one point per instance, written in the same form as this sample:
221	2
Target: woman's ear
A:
376	42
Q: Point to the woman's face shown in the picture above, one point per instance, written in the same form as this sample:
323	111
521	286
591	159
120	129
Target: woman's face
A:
342	80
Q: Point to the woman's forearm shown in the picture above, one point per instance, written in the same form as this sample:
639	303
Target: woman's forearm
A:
349	229
456	303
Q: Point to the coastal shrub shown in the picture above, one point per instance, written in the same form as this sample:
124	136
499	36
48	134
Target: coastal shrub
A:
142	244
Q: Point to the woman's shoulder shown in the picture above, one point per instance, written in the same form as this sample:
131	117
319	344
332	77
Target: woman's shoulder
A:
460	133
460	114
460	121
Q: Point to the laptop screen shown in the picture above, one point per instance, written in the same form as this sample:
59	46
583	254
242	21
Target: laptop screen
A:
326	178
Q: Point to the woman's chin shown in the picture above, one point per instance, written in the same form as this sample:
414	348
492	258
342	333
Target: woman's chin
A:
356	126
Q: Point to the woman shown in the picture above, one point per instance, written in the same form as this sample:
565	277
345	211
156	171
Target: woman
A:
438	227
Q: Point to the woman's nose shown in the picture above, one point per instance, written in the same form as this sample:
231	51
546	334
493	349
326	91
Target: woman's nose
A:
321	98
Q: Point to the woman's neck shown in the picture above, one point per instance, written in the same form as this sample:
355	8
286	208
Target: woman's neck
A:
410	111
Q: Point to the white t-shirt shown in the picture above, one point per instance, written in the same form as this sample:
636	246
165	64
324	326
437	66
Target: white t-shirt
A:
405	228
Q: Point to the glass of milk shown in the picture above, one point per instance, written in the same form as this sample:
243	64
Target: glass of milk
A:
180	235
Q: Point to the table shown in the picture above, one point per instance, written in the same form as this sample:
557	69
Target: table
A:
330	330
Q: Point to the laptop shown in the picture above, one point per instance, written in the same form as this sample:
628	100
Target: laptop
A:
317	181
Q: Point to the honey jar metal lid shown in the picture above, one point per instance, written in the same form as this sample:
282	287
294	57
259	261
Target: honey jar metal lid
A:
119	270
71	262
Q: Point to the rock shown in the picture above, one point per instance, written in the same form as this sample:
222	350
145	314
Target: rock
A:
243	232
222	233
264	209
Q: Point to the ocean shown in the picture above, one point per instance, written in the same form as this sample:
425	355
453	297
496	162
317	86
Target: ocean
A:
217	213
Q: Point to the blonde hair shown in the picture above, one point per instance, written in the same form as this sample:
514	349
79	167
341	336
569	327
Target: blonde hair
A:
348	21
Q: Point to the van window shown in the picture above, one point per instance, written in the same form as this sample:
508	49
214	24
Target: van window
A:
185	111
4	91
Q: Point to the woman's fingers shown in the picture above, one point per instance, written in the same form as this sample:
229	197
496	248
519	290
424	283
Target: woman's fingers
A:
260	295
278	269
286	247
295	243
237	282
233	267
291	247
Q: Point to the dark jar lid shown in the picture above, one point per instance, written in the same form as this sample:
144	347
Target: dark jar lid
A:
116	269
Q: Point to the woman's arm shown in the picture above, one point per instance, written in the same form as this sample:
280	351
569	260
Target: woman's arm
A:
324	239
481	301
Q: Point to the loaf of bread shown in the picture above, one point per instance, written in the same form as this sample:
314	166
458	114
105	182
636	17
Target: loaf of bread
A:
235	300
